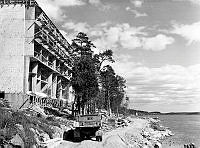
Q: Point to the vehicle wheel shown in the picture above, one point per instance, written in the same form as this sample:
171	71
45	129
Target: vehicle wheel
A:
100	138
68	135
97	138
65	135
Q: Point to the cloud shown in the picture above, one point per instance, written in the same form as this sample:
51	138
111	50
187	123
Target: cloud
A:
50	9
162	81
189	32
110	36
77	27
98	3
136	13
137	3
117	35
169	84
53	8
95	2
192	1
62	3
157	43
129	37
195	1
68	3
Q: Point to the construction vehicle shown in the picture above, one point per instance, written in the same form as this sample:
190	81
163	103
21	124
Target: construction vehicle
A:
88	126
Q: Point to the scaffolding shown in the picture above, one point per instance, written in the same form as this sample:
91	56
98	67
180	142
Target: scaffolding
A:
48	34
25	2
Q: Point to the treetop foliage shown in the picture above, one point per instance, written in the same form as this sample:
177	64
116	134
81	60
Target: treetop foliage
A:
82	45
91	81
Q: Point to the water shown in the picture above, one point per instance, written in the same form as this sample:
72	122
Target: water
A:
185	127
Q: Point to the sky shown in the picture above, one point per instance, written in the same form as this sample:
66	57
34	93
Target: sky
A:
156	45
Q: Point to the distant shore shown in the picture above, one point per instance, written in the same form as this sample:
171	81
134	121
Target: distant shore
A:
144	113
181	113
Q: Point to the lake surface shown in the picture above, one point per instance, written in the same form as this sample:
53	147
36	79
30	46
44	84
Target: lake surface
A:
185	127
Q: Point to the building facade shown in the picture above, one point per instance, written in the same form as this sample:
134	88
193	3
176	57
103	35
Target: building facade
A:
34	56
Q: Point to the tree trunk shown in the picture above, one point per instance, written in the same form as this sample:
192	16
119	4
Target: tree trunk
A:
79	105
83	107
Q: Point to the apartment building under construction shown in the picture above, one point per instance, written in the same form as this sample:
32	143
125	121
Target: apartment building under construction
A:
34	56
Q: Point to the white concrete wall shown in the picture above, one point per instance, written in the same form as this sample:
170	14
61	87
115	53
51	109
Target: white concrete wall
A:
12	38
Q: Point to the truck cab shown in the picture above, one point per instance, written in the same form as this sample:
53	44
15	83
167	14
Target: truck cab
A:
89	120
88	126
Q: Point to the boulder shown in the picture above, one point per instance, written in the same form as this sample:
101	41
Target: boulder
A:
157	145
44	137
39	110
58	132
34	132
17	141
21	130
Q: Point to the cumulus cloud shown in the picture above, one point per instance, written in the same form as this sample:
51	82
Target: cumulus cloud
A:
136	13
95	2
107	35
65	3
53	7
68	3
189	32
157	43
50	9
137	3
77	27
98	3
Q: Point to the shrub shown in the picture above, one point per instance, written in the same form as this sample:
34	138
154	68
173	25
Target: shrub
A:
4	103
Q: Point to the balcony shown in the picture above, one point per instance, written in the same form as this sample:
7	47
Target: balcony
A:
46	101
52	43
52	30
43	59
46	62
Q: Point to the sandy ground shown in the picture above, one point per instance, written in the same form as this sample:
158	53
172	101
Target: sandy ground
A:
120	138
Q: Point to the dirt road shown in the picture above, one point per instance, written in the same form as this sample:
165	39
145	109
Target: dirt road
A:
119	138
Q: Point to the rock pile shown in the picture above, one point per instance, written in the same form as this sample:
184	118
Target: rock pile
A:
149	136
30	127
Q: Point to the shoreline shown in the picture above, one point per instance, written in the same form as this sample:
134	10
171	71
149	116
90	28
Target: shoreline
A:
144	132
155	132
